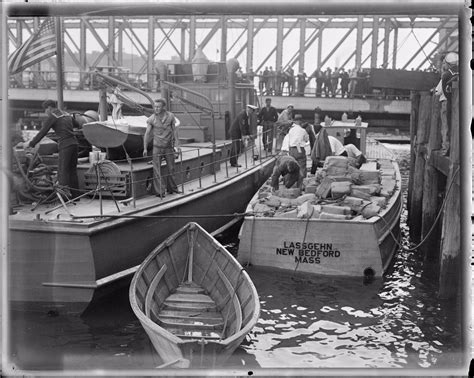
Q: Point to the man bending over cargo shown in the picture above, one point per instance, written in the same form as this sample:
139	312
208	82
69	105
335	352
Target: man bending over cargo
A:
288	167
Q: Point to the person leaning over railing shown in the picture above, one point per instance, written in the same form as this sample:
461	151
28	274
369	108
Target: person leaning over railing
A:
62	123
162	126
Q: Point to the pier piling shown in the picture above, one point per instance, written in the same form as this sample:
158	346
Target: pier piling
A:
435	187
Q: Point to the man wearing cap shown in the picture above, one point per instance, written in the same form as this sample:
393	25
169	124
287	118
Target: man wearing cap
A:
267	118
62	124
240	128
449	74
161	125
295	142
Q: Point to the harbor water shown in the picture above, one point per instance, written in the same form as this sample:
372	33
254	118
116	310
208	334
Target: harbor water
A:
306	321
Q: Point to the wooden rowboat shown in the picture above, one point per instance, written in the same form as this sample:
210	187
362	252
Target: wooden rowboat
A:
194	300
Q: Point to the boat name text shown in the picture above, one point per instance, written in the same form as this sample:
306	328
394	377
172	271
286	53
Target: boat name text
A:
308	252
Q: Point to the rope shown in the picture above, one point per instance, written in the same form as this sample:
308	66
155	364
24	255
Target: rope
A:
422	49
131	216
434	222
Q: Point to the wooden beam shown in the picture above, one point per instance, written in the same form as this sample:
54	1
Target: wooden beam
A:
450	273
430	205
422	135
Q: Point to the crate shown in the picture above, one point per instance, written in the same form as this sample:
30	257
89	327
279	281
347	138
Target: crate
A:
116	185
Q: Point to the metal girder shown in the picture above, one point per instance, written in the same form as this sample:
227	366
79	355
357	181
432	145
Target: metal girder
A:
70	23
424	44
317	33
99	40
223	39
259	27
442	40
273	50
71	53
395	48
209	35
375	44
311	26
341	41
354	52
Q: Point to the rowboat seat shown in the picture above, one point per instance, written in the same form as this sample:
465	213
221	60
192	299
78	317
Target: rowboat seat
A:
191	314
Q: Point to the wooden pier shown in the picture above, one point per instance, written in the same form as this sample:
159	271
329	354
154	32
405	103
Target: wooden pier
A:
434	192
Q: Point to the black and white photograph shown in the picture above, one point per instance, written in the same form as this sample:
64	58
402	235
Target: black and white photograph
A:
236	188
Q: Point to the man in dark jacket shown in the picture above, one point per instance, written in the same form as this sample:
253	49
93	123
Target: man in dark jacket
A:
62	124
267	118
240	128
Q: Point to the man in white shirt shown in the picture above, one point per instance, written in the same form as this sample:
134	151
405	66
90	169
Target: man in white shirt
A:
295	142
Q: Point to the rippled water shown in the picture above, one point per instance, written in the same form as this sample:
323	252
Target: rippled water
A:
306	321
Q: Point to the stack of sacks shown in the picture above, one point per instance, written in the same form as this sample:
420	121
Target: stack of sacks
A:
335	212
336	166
288	192
310	184
341	188
308	210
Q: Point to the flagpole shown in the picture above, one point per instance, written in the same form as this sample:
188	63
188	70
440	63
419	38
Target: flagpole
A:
59	63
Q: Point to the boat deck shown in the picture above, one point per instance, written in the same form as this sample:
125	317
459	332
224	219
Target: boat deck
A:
87	209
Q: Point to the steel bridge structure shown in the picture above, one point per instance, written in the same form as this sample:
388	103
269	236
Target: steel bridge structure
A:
256	41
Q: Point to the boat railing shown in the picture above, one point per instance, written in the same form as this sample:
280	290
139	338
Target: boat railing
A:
253	154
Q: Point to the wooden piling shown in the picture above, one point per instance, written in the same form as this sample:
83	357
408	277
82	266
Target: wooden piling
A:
415	103
450	269
431	203
420	143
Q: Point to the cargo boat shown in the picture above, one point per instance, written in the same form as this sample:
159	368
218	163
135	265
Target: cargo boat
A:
329	236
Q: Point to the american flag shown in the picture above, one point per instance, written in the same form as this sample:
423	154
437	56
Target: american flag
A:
40	45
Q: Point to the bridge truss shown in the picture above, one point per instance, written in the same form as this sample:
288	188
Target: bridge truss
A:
303	43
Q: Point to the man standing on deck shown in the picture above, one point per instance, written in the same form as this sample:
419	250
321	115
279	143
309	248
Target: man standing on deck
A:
295	141
240	128
162	126
62	124
267	118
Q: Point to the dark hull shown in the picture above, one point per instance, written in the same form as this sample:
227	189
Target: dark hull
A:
66	266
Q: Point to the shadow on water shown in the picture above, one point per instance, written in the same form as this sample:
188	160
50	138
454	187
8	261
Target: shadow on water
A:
306	321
